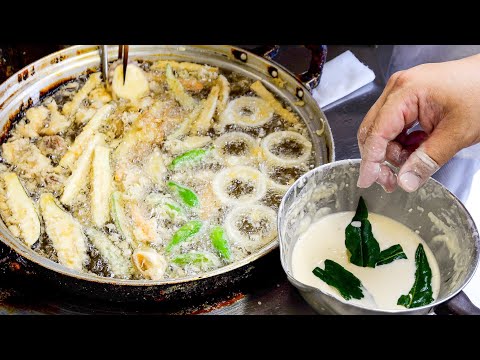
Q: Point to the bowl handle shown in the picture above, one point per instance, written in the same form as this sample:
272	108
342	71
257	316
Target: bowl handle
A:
460	304
311	77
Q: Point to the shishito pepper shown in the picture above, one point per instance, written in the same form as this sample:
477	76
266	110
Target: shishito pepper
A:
220	242
188	197
192	257
184	233
189	157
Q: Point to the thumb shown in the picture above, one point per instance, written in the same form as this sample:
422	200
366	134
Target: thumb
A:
416	170
439	147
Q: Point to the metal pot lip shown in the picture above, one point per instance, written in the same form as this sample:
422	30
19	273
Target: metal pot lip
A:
17	246
304	287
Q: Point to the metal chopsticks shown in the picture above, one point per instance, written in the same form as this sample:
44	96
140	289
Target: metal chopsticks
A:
122	54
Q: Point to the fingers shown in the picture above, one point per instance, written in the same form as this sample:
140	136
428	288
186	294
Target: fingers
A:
440	146
372	113
416	170
444	99
400	149
387	178
399	110
435	151
396	154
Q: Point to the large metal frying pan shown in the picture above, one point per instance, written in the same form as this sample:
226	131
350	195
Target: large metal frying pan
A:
30	84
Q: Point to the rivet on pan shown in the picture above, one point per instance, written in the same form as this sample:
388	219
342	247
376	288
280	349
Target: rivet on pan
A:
272	71
240	55
300	93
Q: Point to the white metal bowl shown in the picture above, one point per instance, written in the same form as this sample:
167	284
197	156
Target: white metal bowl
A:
457	259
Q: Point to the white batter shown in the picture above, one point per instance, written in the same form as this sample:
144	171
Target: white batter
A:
325	239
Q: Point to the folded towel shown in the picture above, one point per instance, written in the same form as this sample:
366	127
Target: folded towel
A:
341	76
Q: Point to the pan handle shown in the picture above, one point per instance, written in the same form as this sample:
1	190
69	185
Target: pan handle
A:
266	51
460	304
311	77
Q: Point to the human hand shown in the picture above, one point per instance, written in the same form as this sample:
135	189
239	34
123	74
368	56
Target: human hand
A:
444	98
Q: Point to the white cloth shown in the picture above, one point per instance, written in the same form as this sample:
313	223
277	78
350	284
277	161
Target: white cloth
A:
341	76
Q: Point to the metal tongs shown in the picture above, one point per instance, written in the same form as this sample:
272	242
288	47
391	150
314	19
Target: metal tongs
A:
122	54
